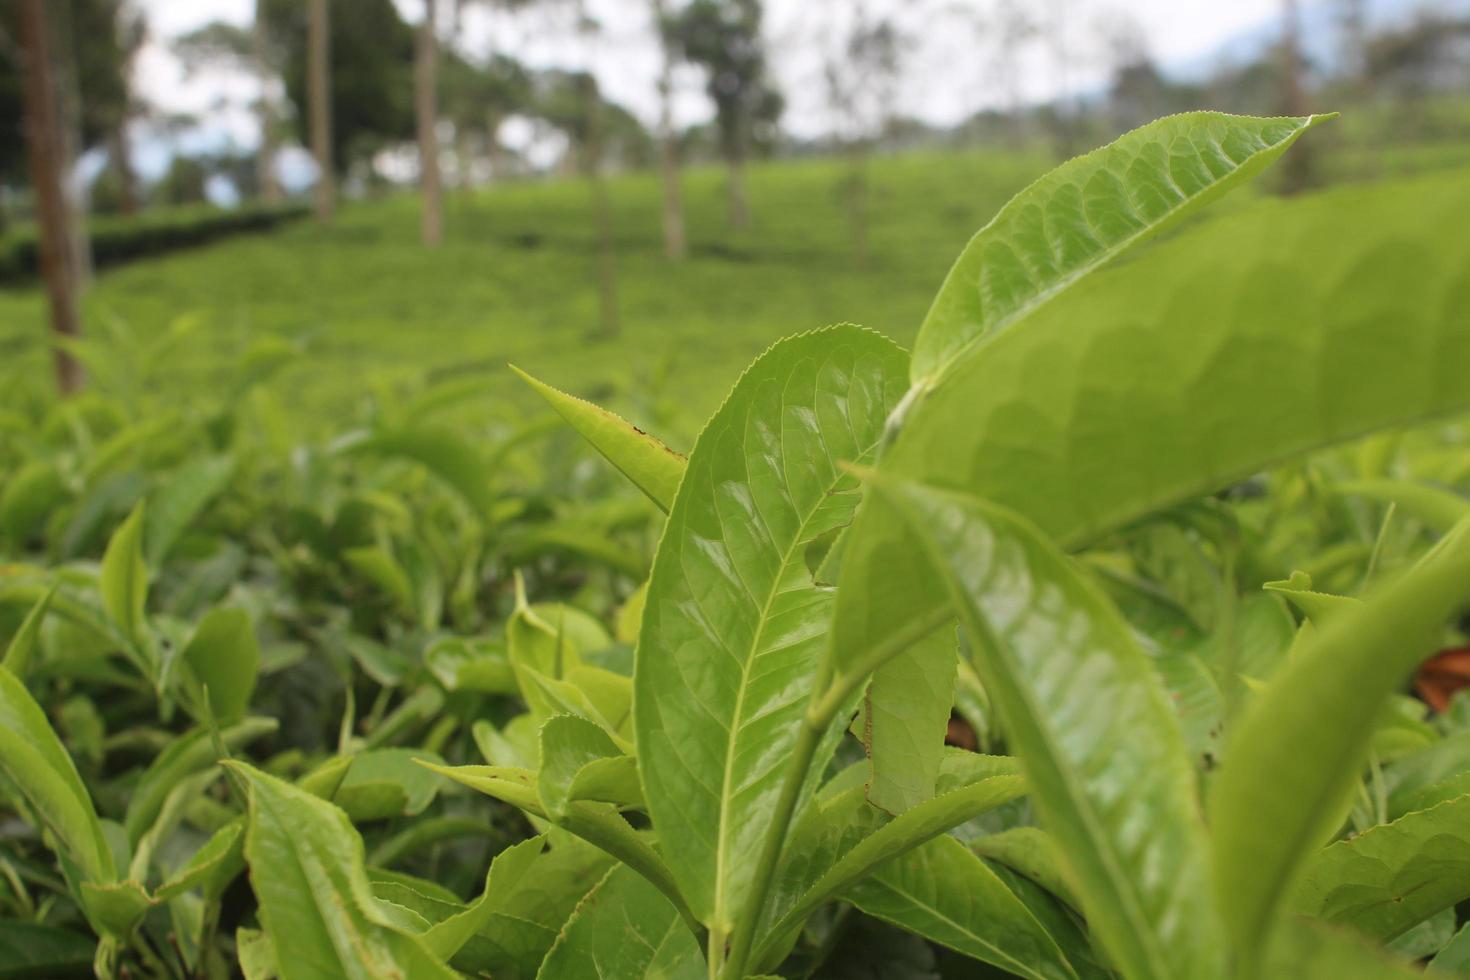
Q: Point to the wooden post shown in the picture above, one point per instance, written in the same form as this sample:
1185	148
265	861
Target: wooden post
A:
675	244
43	144
268	186
318	71
426	108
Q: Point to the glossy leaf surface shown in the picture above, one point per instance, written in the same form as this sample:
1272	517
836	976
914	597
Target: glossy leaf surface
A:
625	928
946	894
734	626
845	838
1085	713
652	467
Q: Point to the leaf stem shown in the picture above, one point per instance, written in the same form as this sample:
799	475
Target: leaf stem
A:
812	727
828	696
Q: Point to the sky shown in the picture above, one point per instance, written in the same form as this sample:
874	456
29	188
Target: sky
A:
950	68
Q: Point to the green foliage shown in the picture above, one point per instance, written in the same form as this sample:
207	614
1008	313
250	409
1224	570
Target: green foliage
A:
1106	536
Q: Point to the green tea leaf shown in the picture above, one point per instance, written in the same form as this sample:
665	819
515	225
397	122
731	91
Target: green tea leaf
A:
28	497
212	867
1438	508
1393	876
306	867
1029	851
447	937
180	499
125	576
23	645
445	454
34	760
1194	366
1087	212
580	761
652	467
185	756
1292	763
625	928
410	786
598	824
33	951
844	839
1086	714
734	625
946	894
907	713
224	658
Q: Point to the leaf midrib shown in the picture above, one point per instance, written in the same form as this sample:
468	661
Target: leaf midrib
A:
797	540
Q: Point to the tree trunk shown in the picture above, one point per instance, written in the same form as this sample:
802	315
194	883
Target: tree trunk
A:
858	198
122	160
1296	169
675	242
265	157
607	270
431	217
43	144
318	70
67	88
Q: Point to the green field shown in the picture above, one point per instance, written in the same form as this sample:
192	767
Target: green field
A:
366	307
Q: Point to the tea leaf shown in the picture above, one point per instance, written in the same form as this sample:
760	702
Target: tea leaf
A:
652	467
625	928
734	625
306	867
946	894
1291	763
1087	212
1087	716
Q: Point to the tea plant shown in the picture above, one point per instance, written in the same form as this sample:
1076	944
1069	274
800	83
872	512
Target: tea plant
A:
1046	520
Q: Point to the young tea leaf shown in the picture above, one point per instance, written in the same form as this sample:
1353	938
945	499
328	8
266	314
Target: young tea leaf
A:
652	467
306	866
734	625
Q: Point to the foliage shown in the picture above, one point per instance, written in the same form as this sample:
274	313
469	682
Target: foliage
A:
462	707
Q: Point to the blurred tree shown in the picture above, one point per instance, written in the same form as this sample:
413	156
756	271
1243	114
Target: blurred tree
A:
862	73
44	149
572	103
724	38
477	100
349	79
185	182
1414	63
675	243
258	53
